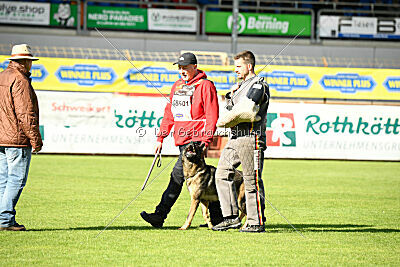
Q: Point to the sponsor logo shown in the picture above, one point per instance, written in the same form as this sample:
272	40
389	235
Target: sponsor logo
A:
14	12
223	80
22	9
155	16
259	23
241	25
287	81
362	126
359	27
392	84
41	130
137	118
38	72
348	83
159	77
3	65
116	16
281	130
265	23
151	77
86	75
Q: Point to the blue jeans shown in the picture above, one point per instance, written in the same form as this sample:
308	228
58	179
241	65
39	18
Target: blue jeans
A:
14	167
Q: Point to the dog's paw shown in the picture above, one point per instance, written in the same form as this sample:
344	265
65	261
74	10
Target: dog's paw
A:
183	227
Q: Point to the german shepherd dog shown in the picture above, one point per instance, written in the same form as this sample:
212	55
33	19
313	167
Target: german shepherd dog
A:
200	180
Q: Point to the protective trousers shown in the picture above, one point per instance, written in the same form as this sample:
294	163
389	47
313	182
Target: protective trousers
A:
246	151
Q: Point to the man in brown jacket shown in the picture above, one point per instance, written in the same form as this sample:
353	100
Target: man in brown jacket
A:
19	132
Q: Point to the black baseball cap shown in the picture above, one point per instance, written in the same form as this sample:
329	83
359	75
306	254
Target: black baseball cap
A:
186	59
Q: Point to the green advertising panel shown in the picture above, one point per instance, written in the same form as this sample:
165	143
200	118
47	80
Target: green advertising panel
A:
259	23
117	17
64	15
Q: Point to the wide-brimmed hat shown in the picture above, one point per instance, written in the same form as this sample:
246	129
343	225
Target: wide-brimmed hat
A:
22	51
186	59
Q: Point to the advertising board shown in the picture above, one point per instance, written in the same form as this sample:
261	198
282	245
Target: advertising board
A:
107	123
91	75
359	27
30	13
116	17
172	20
259	23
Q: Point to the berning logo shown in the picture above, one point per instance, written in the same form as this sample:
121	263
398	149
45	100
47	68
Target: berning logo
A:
241	23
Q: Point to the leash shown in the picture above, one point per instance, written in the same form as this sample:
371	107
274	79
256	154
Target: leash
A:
157	156
144	185
134	199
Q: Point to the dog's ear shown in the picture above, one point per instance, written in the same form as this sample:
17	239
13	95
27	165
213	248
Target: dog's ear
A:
202	146
203	149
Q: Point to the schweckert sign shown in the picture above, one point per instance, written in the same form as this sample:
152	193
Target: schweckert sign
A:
103	123
259	23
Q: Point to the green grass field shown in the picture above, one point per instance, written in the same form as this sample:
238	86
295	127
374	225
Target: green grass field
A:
349	213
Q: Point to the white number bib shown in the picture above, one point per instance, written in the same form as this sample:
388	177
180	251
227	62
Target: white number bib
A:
181	103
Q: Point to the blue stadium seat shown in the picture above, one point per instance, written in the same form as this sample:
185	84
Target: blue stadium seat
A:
207	2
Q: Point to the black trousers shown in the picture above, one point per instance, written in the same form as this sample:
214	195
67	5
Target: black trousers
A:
174	189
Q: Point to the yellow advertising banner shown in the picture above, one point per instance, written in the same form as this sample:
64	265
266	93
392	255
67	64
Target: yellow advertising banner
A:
91	75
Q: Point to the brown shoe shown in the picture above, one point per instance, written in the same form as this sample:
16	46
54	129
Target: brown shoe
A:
15	227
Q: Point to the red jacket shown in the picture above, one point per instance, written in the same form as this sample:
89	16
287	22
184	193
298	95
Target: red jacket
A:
204	112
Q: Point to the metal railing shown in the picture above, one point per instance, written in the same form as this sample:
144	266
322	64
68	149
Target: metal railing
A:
316	4
204	58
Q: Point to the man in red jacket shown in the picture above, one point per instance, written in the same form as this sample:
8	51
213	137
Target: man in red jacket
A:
193	111
19	132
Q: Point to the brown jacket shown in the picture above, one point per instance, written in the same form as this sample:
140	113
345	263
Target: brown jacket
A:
19	109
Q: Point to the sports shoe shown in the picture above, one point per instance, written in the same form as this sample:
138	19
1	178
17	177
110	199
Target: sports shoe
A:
15	227
228	224
153	218
253	229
